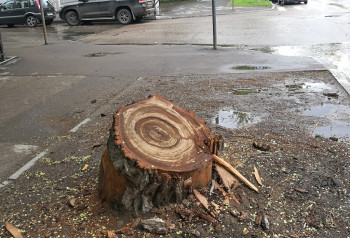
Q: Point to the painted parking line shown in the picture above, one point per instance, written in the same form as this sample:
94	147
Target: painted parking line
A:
36	158
23	169
281	9
76	128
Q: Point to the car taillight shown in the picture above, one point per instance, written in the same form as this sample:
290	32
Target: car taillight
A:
142	1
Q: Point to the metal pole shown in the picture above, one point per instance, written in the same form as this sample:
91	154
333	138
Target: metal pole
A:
2	52
43	20
214	23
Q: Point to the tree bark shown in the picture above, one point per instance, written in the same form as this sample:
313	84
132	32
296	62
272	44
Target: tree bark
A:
156	153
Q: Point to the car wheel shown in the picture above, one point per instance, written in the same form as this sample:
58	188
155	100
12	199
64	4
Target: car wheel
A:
72	18
124	16
305	2
31	21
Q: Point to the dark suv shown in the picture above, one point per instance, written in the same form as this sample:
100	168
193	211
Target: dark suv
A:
25	12
86	10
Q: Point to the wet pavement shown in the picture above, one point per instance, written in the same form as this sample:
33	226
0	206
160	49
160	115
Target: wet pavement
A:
336	57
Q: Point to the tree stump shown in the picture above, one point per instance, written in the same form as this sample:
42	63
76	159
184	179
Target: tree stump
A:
156	152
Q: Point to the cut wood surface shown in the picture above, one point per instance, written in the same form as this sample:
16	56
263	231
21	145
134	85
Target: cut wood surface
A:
235	172
156	133
156	152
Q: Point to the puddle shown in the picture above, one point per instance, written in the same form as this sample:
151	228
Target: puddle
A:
245	91
316	87
249	67
72	35
293	87
340	130
311	87
233	119
337	128
326	110
334	56
100	54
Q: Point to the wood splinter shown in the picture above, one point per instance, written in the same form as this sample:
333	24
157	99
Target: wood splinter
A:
235	172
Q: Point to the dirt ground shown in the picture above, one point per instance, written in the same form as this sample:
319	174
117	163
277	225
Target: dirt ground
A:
305	173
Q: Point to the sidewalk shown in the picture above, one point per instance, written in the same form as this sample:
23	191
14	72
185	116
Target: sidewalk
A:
201	8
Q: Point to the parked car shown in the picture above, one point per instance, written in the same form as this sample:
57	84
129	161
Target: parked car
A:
125	11
282	2
27	12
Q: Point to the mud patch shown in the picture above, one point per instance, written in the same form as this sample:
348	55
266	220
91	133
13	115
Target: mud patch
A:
245	91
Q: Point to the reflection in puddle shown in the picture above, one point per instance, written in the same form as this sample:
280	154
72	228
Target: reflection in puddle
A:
337	128
249	67
316	87
325	110
233	119
311	87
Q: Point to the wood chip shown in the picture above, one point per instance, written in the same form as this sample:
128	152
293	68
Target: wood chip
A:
257	176
111	234
234	172
203	200
218	187
15	232
71	202
206	217
229	181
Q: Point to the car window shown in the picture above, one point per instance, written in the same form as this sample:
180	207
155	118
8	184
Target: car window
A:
21	4
31	3
8	5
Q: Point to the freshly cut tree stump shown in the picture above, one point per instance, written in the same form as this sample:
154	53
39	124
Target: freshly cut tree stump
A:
156	153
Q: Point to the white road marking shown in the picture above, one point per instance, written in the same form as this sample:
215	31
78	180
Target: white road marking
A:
299	8
76	128
27	165
281	9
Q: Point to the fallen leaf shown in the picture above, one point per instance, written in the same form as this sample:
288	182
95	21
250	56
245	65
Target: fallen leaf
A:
85	167
15	232
257	176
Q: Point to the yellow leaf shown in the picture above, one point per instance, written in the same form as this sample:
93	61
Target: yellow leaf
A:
85	167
